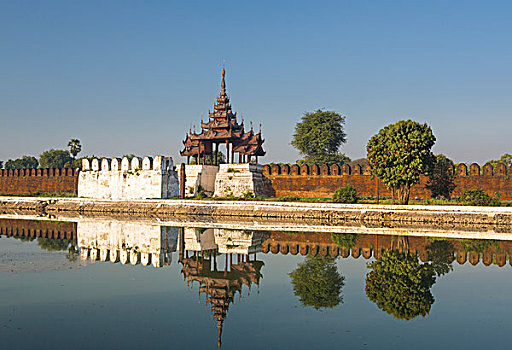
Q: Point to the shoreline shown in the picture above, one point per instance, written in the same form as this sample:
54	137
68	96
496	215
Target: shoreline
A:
498	219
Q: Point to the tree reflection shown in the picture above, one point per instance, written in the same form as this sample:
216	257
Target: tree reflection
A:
344	240
58	244
53	244
400	285
441	255
317	283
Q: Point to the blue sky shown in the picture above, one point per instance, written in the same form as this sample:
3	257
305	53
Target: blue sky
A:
132	76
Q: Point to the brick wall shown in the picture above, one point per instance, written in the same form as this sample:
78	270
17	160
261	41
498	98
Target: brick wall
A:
33	228
321	181
367	246
27	181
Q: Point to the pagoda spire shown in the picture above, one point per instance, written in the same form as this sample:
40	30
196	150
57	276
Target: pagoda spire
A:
223	83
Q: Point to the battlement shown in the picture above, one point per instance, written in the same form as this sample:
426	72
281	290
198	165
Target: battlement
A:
136	178
335	170
30	181
48	172
157	163
489	252
320	181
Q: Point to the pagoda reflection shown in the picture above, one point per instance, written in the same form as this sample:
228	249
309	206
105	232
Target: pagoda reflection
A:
202	248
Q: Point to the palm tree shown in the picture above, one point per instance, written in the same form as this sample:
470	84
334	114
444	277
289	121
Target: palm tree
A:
74	147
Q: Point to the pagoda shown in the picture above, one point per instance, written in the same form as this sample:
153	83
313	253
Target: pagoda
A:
222	127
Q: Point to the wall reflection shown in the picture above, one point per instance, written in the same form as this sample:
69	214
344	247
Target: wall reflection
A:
220	262
202	248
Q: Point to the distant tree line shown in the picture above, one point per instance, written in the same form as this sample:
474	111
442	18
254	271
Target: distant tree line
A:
52	158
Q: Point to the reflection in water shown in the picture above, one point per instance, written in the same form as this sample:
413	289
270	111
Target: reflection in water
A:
400	285
317	282
222	261
153	244
221	287
125	242
441	253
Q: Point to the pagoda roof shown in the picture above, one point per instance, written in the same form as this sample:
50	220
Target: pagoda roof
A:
222	126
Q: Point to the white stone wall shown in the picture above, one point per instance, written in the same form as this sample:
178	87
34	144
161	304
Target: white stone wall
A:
124	179
223	240
126	242
239	180
199	175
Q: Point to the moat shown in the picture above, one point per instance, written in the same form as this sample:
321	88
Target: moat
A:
90	282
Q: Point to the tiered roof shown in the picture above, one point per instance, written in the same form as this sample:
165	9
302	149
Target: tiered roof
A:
222	126
221	287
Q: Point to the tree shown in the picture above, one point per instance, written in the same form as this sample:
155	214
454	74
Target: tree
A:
1	164
318	137
74	147
55	158
317	283
505	159
440	181
400	153
25	162
221	159
400	285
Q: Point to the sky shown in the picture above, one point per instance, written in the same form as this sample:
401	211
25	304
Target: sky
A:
132	76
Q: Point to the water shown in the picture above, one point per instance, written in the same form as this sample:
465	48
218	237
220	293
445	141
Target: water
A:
53	296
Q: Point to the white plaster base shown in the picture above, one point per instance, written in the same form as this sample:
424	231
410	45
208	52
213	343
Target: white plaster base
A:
199	175
240	180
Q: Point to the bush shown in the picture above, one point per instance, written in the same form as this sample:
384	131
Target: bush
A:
201	194
289	199
479	198
345	194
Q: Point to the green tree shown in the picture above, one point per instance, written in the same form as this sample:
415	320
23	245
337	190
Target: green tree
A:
400	153
400	285
74	147
1	164
221	159
505	159
318	137
55	158
25	162
440	181
317	283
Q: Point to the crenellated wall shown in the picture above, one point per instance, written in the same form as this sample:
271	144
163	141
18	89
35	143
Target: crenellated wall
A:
36	229
367	246
126	242
29	181
138	178
321	181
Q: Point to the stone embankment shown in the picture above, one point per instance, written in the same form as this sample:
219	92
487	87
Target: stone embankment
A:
498	219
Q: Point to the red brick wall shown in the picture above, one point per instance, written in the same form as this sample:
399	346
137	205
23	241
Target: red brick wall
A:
27	181
314	243
321	181
33	228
